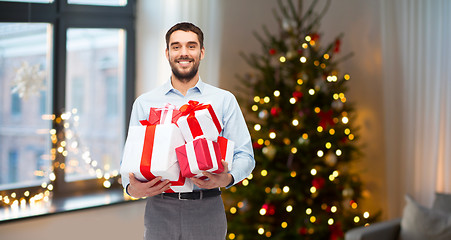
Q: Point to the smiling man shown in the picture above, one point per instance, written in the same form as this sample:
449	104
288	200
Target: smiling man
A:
199	214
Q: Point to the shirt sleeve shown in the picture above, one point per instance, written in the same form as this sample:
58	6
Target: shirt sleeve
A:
235	129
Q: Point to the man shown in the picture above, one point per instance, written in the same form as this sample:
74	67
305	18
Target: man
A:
199	214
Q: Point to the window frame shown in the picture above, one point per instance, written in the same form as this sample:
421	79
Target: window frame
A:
63	16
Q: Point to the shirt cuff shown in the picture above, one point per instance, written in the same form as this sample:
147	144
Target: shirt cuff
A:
231	182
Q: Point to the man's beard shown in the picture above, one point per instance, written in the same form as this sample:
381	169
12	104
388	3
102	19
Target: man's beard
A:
185	77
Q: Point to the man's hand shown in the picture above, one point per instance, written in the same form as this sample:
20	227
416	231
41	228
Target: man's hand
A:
215	180
140	189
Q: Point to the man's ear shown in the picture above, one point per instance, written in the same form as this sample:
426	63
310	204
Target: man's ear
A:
202	53
167	54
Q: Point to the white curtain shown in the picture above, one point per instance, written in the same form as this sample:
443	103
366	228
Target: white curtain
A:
416	43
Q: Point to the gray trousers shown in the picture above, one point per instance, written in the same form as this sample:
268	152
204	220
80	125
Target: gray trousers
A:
172	219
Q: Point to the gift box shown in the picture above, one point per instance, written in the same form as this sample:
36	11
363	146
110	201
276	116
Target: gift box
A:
149	151
198	156
199	119
165	115
227	149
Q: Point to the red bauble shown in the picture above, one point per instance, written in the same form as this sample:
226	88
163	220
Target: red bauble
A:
325	118
272	51
314	36
275	111
256	145
303	230
297	95
337	45
318	182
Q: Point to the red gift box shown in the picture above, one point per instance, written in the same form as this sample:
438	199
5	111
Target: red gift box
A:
198	156
165	115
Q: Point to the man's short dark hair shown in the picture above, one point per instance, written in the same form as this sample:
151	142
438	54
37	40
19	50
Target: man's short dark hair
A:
187	27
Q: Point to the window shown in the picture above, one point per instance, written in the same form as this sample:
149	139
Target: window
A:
67	86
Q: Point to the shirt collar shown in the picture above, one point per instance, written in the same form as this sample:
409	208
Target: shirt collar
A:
167	87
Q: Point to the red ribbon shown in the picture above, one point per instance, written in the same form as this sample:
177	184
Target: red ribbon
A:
190	108
146	158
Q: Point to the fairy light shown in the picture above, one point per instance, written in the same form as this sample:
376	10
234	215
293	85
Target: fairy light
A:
282	59
286	189
295	122
366	214
333	209
303	59
311	91
277	93
292	100
254	108
330	221
256	99
338	152
313	172
233	210
289	208
308	211
257	127
266	99
261	231
245	182
284	224
300	81
231	236
264	173
272	135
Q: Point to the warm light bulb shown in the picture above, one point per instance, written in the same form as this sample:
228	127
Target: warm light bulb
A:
264	172
286	189
256	99
289	208
366	214
282	59
308	211
330	221
303	59
272	135
292	100
257	127
233	210
295	122
313	172
276	93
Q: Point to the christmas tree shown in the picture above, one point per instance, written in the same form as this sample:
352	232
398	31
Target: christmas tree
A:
303	136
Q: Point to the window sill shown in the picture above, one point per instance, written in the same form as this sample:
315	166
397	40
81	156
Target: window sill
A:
64	204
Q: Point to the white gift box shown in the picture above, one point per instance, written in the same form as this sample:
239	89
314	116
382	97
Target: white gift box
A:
199	120
149	152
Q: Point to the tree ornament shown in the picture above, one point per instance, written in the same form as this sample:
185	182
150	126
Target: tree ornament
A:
263	114
29	81
348	192
318	182
325	118
297	95
275	111
337	105
272	51
337	45
331	159
269	151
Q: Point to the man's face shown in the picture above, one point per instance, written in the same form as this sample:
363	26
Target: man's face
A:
184	55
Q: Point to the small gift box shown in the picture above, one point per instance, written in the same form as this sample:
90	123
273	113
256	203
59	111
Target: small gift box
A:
149	151
199	119
198	156
165	115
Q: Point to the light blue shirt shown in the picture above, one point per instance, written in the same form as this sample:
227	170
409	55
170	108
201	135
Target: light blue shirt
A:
226	108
